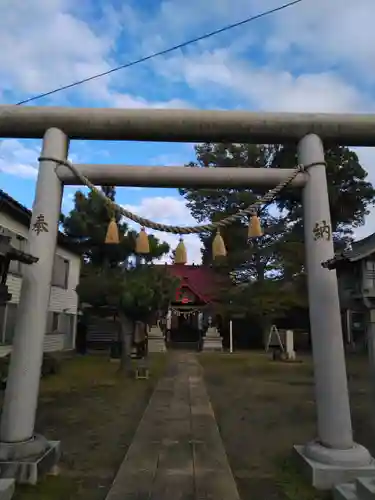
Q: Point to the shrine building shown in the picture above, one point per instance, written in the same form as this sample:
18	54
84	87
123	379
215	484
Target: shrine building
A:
195	295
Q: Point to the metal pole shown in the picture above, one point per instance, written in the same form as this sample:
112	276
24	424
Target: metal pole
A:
230	336
21	395
145	176
335	438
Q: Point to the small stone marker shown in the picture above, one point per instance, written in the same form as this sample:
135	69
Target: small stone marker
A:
290	352
142	371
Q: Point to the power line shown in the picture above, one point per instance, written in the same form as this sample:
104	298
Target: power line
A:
161	53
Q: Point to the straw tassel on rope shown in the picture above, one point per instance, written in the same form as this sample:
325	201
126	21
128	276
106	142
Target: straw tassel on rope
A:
112	237
180	256
255	229
218	246
142	245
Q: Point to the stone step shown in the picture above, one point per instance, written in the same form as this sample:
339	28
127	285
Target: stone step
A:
184	345
345	491
362	489
156	345
365	487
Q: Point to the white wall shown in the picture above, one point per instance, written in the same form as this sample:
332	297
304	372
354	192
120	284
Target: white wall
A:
61	300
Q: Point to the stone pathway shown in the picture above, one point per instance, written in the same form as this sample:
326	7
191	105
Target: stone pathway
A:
177	452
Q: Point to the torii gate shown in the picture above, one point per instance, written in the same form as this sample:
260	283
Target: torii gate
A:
333	456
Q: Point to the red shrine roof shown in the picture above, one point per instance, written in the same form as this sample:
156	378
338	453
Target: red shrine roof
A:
199	279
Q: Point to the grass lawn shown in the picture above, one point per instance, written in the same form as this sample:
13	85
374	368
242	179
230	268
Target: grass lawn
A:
264	407
94	412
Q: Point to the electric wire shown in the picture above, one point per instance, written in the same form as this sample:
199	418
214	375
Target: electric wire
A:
161	53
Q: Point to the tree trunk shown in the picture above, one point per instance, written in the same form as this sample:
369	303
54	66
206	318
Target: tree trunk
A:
126	331
259	266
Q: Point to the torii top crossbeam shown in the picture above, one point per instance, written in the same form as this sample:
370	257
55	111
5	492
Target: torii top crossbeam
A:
182	125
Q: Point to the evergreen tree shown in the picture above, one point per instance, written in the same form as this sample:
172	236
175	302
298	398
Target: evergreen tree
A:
108	279
87	226
350	196
245	261
271	267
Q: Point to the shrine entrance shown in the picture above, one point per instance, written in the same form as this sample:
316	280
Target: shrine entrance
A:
187	317
184	330
334	446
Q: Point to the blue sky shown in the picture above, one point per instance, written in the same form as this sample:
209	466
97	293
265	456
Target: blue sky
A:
315	56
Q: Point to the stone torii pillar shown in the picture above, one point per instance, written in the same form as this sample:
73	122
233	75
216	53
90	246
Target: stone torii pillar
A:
21	451
333	457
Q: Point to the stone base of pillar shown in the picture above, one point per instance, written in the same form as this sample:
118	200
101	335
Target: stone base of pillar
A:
7	487
328	467
27	462
290	355
156	342
212	340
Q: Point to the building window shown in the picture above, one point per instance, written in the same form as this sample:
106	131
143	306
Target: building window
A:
369	281
19	243
66	323
63	324
60	274
52	322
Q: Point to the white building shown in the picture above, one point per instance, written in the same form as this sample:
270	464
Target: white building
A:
63	304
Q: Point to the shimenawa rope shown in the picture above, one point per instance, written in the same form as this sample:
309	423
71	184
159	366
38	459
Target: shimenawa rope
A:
251	209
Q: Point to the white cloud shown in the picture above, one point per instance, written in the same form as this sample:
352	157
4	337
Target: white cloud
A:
18	159
327	33
175	21
334	33
171	160
310	66
46	45
172	211
50	44
127	101
265	88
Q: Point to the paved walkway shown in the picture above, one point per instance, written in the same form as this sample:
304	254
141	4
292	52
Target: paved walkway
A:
177	452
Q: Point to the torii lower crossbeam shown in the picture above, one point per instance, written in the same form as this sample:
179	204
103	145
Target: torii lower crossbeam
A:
179	177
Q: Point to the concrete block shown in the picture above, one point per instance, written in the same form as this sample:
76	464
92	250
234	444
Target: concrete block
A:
156	341
327	476
365	487
345	491
28	470
212	344
212	340
6	489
